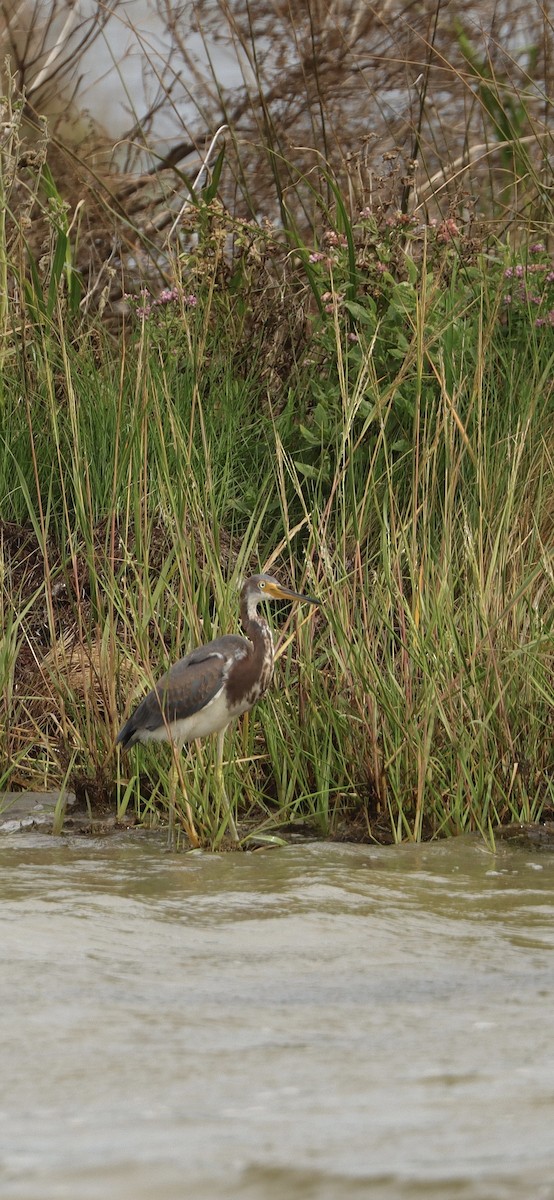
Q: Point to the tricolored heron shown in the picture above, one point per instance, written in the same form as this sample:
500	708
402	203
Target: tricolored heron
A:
214	684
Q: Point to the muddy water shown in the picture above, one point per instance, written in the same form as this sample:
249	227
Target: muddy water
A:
319	1022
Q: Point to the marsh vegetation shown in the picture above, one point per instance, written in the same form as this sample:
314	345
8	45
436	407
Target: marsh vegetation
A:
334	363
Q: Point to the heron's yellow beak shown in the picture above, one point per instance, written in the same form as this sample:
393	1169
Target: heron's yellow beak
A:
278	592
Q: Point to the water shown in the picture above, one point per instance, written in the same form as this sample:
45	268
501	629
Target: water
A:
315	1022
125	72
134	67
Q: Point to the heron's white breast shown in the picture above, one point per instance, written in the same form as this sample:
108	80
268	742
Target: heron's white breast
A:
214	716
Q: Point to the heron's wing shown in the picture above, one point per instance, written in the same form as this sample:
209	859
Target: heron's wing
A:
186	688
191	683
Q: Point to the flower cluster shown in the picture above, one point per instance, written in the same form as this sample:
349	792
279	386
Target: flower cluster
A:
335	239
383	242
144	303
532	286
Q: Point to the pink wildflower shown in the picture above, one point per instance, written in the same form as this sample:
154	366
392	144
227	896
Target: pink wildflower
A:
167	296
447	230
334	239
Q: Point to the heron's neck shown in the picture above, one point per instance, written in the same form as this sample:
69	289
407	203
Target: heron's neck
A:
257	630
254	624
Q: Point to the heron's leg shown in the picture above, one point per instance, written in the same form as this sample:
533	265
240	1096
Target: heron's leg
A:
221	786
171	807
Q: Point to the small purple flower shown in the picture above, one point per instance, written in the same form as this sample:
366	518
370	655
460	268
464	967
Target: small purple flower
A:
540	321
316	257
508	273
167	296
508	299
447	230
537	248
190	300
550	277
353	337
334	239
144	311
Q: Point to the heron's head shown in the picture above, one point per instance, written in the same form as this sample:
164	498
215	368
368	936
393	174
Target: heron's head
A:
266	587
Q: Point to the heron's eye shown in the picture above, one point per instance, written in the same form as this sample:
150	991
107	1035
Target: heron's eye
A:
261	585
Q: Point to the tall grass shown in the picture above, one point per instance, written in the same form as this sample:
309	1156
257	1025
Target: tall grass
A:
370	418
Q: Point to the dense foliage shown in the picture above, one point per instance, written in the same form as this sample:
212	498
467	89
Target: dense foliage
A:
368	415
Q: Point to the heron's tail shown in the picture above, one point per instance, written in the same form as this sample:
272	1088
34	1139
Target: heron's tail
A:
127	735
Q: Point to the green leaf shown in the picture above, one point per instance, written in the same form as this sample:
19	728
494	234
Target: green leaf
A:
210	191
74	289
321	417
404	296
311	275
310	437
365	314
33	291
48	183
264	839
368	410
344	225
307	471
58	263
413	273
